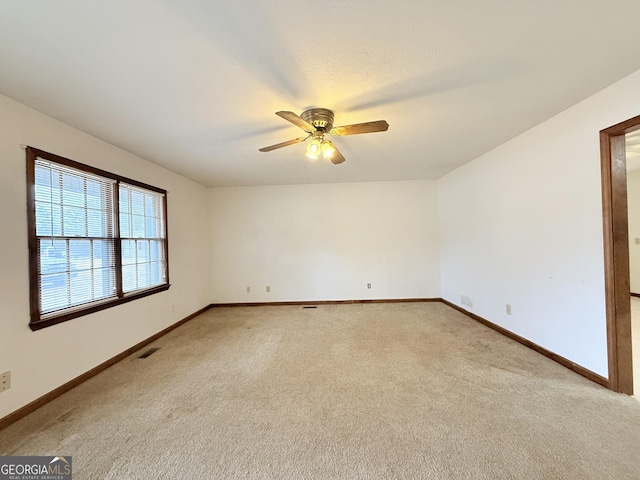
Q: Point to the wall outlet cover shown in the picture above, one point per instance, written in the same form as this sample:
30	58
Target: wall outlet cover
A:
465	300
5	381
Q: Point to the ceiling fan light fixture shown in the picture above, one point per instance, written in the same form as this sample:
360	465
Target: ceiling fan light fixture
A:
317	123
328	149
314	149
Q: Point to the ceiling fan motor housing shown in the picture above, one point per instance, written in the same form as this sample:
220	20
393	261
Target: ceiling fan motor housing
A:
321	118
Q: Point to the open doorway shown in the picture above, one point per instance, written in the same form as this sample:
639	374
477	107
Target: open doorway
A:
616	253
632	152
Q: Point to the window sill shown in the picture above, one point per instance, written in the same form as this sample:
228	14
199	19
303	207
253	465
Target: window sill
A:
40	323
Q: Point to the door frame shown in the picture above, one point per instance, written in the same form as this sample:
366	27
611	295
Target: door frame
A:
616	253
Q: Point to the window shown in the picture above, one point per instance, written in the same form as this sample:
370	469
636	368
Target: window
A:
95	239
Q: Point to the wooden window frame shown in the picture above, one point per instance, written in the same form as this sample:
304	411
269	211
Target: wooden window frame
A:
36	320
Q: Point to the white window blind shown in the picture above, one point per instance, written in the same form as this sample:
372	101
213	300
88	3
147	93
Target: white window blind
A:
142	233
75	234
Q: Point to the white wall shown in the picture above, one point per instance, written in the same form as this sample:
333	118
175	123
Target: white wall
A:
325	242
633	197
522	225
43	360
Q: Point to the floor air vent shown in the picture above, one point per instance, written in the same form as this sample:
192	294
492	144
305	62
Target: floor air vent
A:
310	306
149	352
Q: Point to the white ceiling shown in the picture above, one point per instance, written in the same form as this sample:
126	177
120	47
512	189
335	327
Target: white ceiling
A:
193	84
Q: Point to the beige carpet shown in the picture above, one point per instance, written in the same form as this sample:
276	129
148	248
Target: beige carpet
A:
341	391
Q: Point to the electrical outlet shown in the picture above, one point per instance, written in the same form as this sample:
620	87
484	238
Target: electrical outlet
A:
369	285
468	301
5	381
268	288
508	309
248	289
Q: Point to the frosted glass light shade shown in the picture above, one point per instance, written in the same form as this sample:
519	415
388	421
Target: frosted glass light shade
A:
313	150
328	149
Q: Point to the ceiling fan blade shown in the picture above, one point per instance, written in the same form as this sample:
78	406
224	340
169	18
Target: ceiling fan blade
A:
367	127
297	121
283	144
337	157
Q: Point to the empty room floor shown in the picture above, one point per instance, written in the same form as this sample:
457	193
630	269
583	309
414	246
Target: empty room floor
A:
401	390
635	347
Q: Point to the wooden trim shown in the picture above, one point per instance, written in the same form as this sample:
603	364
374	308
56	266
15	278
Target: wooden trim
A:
623	128
609	273
34	287
117	241
616	253
46	398
322	302
622	279
580	370
165	211
635	294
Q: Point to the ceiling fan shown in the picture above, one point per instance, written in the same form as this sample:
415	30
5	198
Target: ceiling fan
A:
318	123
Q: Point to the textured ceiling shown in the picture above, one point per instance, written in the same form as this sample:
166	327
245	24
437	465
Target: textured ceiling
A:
193	84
